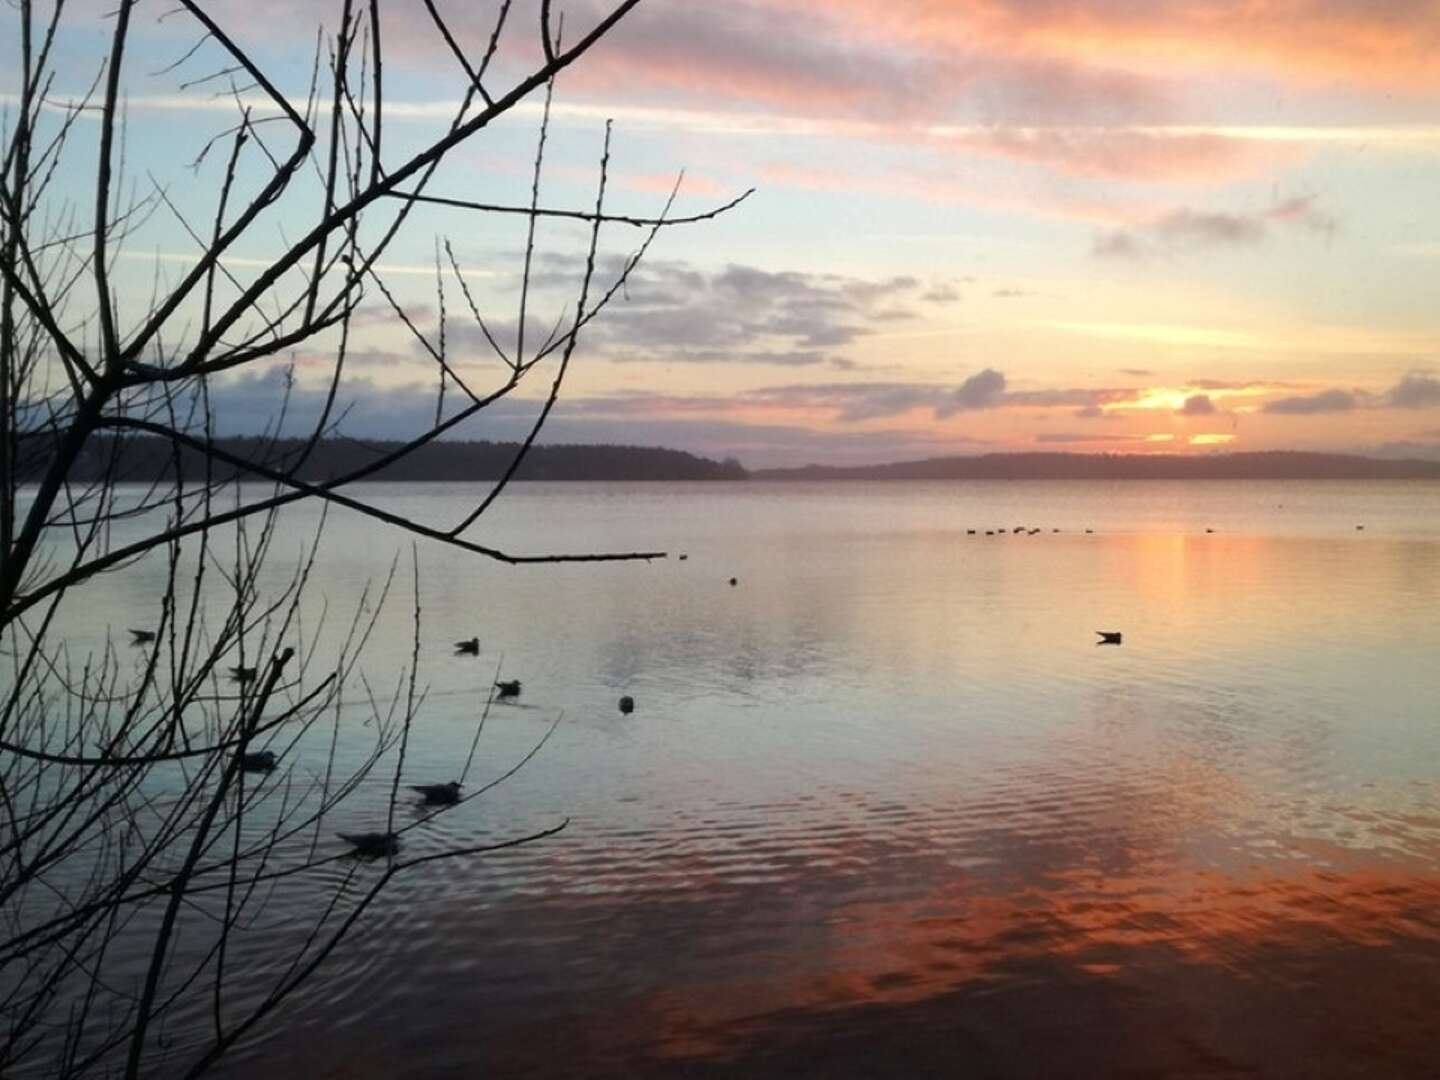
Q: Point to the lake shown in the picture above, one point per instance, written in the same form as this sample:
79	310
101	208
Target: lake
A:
884	807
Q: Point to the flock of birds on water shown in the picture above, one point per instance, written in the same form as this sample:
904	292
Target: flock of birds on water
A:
381	844
378	844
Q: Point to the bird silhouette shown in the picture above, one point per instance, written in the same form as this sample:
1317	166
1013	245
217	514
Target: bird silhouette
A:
627	704
372	845
258	761
1108	637
440	794
242	674
734	582
468	648
684	557
141	637
508	688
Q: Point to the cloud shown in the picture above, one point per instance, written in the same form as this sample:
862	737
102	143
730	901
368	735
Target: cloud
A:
839	61
1076	437
1180	230
1417	390
1117	245
854	402
984	390
1384	43
1197	405
1327	401
673	313
1136	156
1303	212
1184	230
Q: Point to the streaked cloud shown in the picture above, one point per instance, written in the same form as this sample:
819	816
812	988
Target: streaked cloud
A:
1063	437
1327	401
1417	390
1184	229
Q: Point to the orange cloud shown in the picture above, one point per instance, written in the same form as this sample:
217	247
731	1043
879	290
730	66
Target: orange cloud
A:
1384	43
1128	154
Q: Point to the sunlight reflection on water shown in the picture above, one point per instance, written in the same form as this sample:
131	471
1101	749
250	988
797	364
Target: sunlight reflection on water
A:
884	806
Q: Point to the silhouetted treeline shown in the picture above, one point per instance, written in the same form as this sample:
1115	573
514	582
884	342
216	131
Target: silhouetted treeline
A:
145	459
1269	465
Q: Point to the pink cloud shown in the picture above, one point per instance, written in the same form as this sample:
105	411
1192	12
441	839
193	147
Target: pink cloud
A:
1131	155
1384	43
663	183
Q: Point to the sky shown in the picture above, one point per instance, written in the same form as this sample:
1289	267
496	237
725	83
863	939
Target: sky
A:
1136	226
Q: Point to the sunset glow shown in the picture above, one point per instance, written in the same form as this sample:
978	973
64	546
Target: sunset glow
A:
1139	218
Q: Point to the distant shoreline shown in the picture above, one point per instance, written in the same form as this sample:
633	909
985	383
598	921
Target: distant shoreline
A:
148	459
1263	465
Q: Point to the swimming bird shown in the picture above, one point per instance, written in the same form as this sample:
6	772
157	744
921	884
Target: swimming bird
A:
1209	530
734	582
440	794
141	637
969	532
627	704
508	688
372	845
683	557
1108	637
258	761
242	674
1359	528
468	648
1034	531
1089	531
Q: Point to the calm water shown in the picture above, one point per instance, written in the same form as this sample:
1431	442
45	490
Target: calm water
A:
884	808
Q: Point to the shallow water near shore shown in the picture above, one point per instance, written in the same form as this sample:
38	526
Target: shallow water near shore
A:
884	808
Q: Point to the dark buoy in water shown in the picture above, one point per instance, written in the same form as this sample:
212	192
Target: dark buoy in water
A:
1108	637
258	761
627	705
